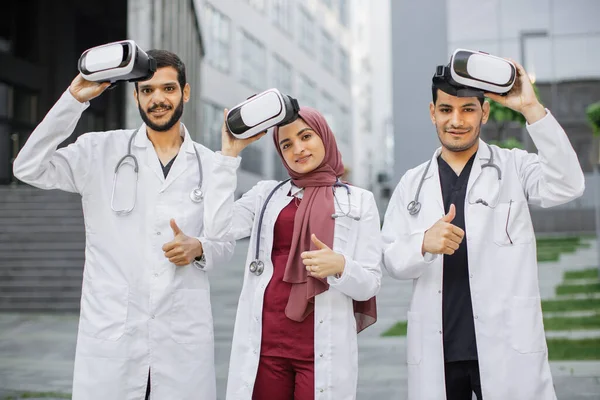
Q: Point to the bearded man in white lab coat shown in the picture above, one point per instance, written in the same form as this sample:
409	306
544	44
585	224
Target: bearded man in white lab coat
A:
145	328
467	242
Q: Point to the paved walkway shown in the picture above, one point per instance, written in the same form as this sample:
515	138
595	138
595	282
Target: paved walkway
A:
37	351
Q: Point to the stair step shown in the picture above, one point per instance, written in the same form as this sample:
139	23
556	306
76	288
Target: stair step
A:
43	263
33	206
30	235
39	273
41	213
41	221
34	306
38	295
54	286
43	254
8	228
61	245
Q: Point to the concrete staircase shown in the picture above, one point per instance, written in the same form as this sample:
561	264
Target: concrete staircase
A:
42	241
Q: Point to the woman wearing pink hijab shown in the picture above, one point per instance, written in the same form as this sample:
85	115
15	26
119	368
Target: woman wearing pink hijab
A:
313	283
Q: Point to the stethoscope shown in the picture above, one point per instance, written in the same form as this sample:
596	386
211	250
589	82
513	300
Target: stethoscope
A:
415	206
257	266
196	195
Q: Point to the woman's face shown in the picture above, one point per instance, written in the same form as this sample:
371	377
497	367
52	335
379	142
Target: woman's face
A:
302	148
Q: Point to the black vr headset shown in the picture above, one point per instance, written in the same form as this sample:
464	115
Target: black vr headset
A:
261	112
472	73
117	61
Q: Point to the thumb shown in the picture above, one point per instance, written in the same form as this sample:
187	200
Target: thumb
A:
320	245
451	214
176	230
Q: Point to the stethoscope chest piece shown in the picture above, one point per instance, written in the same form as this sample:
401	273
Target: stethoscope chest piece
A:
414	207
197	195
257	267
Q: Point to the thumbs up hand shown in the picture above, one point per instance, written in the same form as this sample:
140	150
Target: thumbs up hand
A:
323	262
182	250
443	237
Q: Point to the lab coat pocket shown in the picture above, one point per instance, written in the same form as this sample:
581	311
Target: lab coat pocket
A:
512	223
414	342
525	324
191	318
104	310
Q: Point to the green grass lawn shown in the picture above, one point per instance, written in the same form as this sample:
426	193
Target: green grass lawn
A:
570	305
588	288
549	249
590	273
567	349
37	395
572	323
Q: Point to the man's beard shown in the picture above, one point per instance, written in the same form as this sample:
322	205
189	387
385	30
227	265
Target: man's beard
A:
460	147
167	125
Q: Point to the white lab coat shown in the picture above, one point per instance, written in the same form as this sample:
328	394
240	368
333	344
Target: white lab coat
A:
138	310
511	345
336	358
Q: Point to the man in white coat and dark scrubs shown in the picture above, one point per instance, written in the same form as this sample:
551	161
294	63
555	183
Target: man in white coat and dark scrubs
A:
146	328
459	226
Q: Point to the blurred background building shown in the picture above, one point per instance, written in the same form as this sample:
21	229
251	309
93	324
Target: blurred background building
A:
555	40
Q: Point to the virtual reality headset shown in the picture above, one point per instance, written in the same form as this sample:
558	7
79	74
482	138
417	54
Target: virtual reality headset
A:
117	61
471	73
261	112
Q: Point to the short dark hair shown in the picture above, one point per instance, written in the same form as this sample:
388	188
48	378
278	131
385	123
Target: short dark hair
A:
164	59
434	94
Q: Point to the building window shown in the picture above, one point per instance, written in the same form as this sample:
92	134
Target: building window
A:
282	16
217	28
344	67
307	92
252	159
258	5
306	25
212	120
345	125
326	51
282	75
327	108
344	12
252	62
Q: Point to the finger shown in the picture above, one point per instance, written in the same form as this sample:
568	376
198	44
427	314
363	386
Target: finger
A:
454	236
309	254
310	261
496	97
169	246
451	244
451	214
176	230
456	230
448	251
225	111
176	252
320	245
178	260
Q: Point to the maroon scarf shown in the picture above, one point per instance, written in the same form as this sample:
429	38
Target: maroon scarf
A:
314	216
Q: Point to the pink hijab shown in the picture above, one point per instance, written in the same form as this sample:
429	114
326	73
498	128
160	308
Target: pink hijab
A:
314	216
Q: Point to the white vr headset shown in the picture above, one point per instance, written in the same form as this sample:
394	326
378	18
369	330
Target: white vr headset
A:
478	70
261	112
117	61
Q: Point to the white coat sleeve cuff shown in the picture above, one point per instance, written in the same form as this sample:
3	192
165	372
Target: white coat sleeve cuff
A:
72	102
227	161
333	281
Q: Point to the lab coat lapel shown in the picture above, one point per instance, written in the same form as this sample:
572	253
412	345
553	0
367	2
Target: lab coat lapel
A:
432	184
150	159
186	158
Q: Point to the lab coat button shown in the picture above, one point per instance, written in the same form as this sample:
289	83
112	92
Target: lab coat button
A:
321	390
153	316
440	332
255	352
439	291
321	355
158	233
471	276
321	321
156	275
476	316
